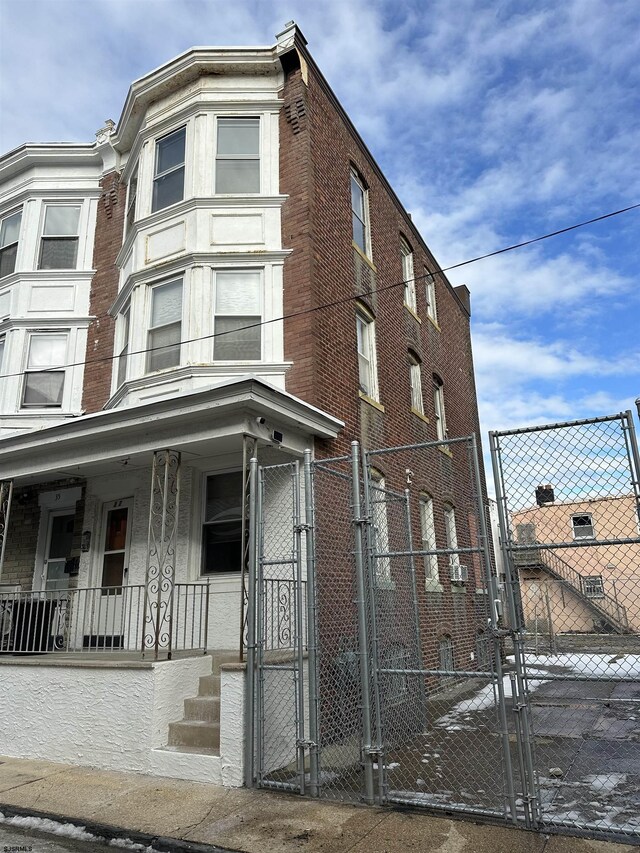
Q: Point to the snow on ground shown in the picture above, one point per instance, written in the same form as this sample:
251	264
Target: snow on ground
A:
69	830
580	663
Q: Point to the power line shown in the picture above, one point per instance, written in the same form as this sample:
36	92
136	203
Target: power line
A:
337	302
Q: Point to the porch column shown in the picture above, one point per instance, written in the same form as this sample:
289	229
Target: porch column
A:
161	552
6	491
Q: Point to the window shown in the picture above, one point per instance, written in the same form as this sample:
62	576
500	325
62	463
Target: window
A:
238	155
430	293
9	234
360	213
165	327
2	340
222	524
457	571
366	342
124	345
582	526
59	244
168	183
131	200
380	523
408	277
593	586
438	408
445	653
428	534
415	378
44	375
238	335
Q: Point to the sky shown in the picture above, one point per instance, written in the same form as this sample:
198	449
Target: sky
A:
495	122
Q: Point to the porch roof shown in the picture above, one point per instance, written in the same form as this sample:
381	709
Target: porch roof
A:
207	422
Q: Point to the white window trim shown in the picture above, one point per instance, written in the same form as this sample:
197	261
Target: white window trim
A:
355	176
132	200
380	523
430	293
408	276
574	528
259	158
150	288
3	218
429	543
439	409
122	352
64	369
366	322
45	207
260	316
415	380
183	166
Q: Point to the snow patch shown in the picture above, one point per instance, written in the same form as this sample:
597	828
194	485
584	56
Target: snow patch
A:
70	830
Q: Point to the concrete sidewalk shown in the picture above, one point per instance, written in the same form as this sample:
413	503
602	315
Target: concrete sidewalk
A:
255	821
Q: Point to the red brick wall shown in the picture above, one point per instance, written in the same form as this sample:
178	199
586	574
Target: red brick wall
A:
104	289
316	160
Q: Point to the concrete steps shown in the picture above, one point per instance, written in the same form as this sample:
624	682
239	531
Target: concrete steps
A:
199	730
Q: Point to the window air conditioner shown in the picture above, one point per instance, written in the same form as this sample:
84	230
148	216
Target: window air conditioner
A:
458	573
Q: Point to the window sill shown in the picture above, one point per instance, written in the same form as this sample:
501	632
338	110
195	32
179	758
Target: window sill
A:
412	312
443	448
458	587
384	585
364	257
432	585
420	415
433	322
366	399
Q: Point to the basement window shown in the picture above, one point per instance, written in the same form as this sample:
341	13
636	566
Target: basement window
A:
593	587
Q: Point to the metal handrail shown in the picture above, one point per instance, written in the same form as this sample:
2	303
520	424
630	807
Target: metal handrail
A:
605	604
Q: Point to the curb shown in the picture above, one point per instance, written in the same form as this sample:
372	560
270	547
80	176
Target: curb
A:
106	832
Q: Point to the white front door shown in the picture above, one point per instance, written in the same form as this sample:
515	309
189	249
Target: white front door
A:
58	549
110	599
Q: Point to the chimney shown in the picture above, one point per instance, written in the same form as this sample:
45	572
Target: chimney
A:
545	495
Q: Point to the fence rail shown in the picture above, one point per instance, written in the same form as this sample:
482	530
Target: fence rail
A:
98	619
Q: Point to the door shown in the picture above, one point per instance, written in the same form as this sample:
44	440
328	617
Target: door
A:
58	551
110	600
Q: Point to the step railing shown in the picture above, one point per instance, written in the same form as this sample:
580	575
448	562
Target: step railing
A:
101	620
606	605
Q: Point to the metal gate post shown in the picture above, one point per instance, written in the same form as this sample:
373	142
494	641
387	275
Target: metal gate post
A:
633	454
298	671
260	628
363	634
495	630
416	611
523	730
312	629
370	577
250	707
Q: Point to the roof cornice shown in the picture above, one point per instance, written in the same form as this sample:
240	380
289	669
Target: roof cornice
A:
48	154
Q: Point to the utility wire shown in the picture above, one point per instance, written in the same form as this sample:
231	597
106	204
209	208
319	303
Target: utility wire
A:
335	303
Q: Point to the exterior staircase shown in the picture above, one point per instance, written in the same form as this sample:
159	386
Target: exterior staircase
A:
611	614
199	730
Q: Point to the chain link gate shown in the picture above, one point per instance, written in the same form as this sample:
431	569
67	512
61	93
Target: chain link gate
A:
387	685
569	506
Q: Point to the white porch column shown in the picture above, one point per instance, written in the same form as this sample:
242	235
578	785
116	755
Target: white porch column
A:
6	491
161	552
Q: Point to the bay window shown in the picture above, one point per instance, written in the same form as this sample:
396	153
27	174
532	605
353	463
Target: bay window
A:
45	370
123	351
238	315
59	241
9	234
168	181
165	326
238	155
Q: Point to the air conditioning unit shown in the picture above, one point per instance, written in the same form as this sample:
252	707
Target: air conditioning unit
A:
458	573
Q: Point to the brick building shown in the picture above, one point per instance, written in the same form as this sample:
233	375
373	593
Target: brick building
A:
144	358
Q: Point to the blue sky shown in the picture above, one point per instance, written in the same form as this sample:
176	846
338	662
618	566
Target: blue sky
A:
495	122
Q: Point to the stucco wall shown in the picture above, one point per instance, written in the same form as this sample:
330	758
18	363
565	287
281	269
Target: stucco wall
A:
108	716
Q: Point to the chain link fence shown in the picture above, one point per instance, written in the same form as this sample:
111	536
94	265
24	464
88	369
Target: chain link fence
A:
570	509
390	662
